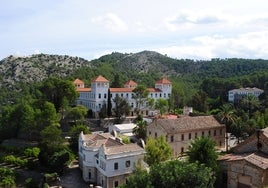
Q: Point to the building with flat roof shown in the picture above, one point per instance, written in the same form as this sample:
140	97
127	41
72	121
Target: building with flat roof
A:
236	95
124	129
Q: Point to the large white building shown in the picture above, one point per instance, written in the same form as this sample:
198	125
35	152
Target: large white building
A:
237	94
95	97
105	160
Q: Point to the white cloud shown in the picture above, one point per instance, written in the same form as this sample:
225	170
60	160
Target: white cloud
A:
36	51
248	45
111	22
182	29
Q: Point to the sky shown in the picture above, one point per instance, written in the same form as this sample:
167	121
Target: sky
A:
181	29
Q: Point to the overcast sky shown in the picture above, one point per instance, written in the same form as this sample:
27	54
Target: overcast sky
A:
192	29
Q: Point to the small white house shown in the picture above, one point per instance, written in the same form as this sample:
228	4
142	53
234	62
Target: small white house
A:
105	160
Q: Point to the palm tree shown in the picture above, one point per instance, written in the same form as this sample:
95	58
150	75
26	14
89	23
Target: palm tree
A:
250	103
227	115
140	129
238	129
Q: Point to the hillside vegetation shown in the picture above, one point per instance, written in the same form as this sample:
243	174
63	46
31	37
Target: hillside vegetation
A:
188	76
35	68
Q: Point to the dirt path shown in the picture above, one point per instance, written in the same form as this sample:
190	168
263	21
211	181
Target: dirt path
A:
72	178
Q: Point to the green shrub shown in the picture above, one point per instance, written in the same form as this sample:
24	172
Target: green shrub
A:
11	159
7	177
32	152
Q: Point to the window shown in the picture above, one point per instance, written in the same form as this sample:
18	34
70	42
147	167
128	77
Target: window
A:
103	165
215	132
203	134
160	95
182	150
99	95
115	183
190	136
165	95
127	95
209	133
89	175
182	137
122	95
116	166
155	135
195	135
221	132
127	164
105	95
172	138
150	133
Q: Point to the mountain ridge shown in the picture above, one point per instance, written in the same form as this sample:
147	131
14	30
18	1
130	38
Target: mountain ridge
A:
37	67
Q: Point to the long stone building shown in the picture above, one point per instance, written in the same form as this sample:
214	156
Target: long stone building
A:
180	132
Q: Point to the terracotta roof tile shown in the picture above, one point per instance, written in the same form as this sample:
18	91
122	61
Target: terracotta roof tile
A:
186	123
131	83
114	90
83	89
163	81
100	79
78	81
153	90
258	159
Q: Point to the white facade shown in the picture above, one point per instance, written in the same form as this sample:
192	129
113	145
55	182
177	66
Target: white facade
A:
124	129
237	94
95	97
105	160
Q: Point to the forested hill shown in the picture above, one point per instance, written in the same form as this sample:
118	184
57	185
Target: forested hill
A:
148	61
144	66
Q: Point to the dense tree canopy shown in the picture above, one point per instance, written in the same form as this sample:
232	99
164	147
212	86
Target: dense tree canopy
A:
202	150
58	92
157	150
140	95
175	174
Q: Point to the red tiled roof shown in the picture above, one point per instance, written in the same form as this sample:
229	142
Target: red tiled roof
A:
131	83
78	81
163	81
154	90
100	79
114	90
83	89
